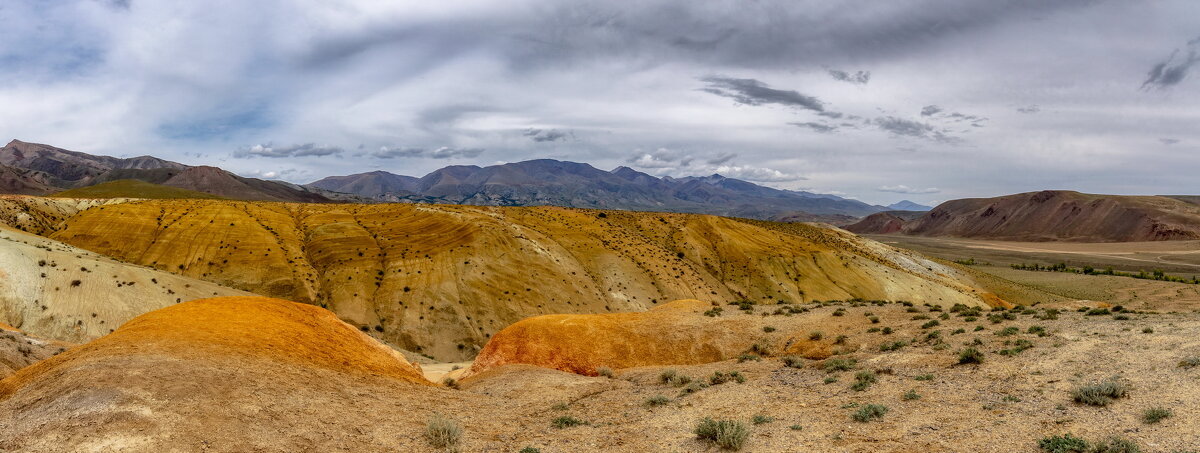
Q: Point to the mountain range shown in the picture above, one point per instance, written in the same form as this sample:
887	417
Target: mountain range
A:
559	183
1048	215
37	169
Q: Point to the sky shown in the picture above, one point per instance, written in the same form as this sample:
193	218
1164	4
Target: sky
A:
879	101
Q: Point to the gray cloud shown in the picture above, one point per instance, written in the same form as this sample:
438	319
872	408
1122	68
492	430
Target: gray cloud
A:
930	110
858	78
548	135
901	188
818	127
753	92
1170	72
438	153
1032	108
909	128
1169	141
720	158
269	150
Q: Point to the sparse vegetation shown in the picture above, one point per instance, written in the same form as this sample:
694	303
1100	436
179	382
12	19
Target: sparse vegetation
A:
657	400
566	421
910	395
863	380
969	356
604	371
443	432
727	434
869	412
760	419
1100	393
1156	414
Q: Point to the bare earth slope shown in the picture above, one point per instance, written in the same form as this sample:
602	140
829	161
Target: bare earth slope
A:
442	279
270	376
1062	215
190	375
54	290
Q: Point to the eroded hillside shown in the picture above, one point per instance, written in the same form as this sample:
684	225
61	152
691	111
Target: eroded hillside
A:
442	279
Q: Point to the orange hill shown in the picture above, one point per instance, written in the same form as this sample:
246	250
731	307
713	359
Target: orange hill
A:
232	329
442	279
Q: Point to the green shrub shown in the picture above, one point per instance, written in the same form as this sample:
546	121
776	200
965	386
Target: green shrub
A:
863	380
1115	444
970	355
869	412
830	380
816	336
1100	393
911	395
530	450
1008	331
873	319
886	331
929	324
1190	362
1156	414
892	346
566	421
604	371
443	432
759	419
718	377
657	400
793	362
748	357
924	377
1065	443
727	434
768	329
1037	330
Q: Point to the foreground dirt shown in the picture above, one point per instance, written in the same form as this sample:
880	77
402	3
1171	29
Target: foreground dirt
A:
196	401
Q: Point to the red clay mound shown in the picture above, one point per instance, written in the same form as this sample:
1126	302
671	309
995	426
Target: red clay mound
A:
234	328
672	334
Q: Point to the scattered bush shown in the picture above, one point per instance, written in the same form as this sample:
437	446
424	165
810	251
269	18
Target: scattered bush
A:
869	412
566	421
924	377
886	331
1065	443
604	371
761	419
671	377
911	395
793	362
892	346
727	434
929	324
657	400
719	378
1115	444
1148	330
530	450
1008	331
1190	362
969	356
1100	393
443	432
1037	330
768	329
863	380
1156	414
816	336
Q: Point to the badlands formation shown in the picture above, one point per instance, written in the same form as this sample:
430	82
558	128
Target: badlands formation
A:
598	331
440	280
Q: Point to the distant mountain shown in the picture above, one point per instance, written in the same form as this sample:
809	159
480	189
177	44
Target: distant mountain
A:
131	188
905	205
24	182
560	183
1052	215
32	168
215	181
72	168
885	222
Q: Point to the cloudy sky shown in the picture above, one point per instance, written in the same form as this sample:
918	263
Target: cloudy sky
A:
917	99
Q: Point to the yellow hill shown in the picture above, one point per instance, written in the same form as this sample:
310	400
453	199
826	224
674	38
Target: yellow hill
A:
132	188
442	279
